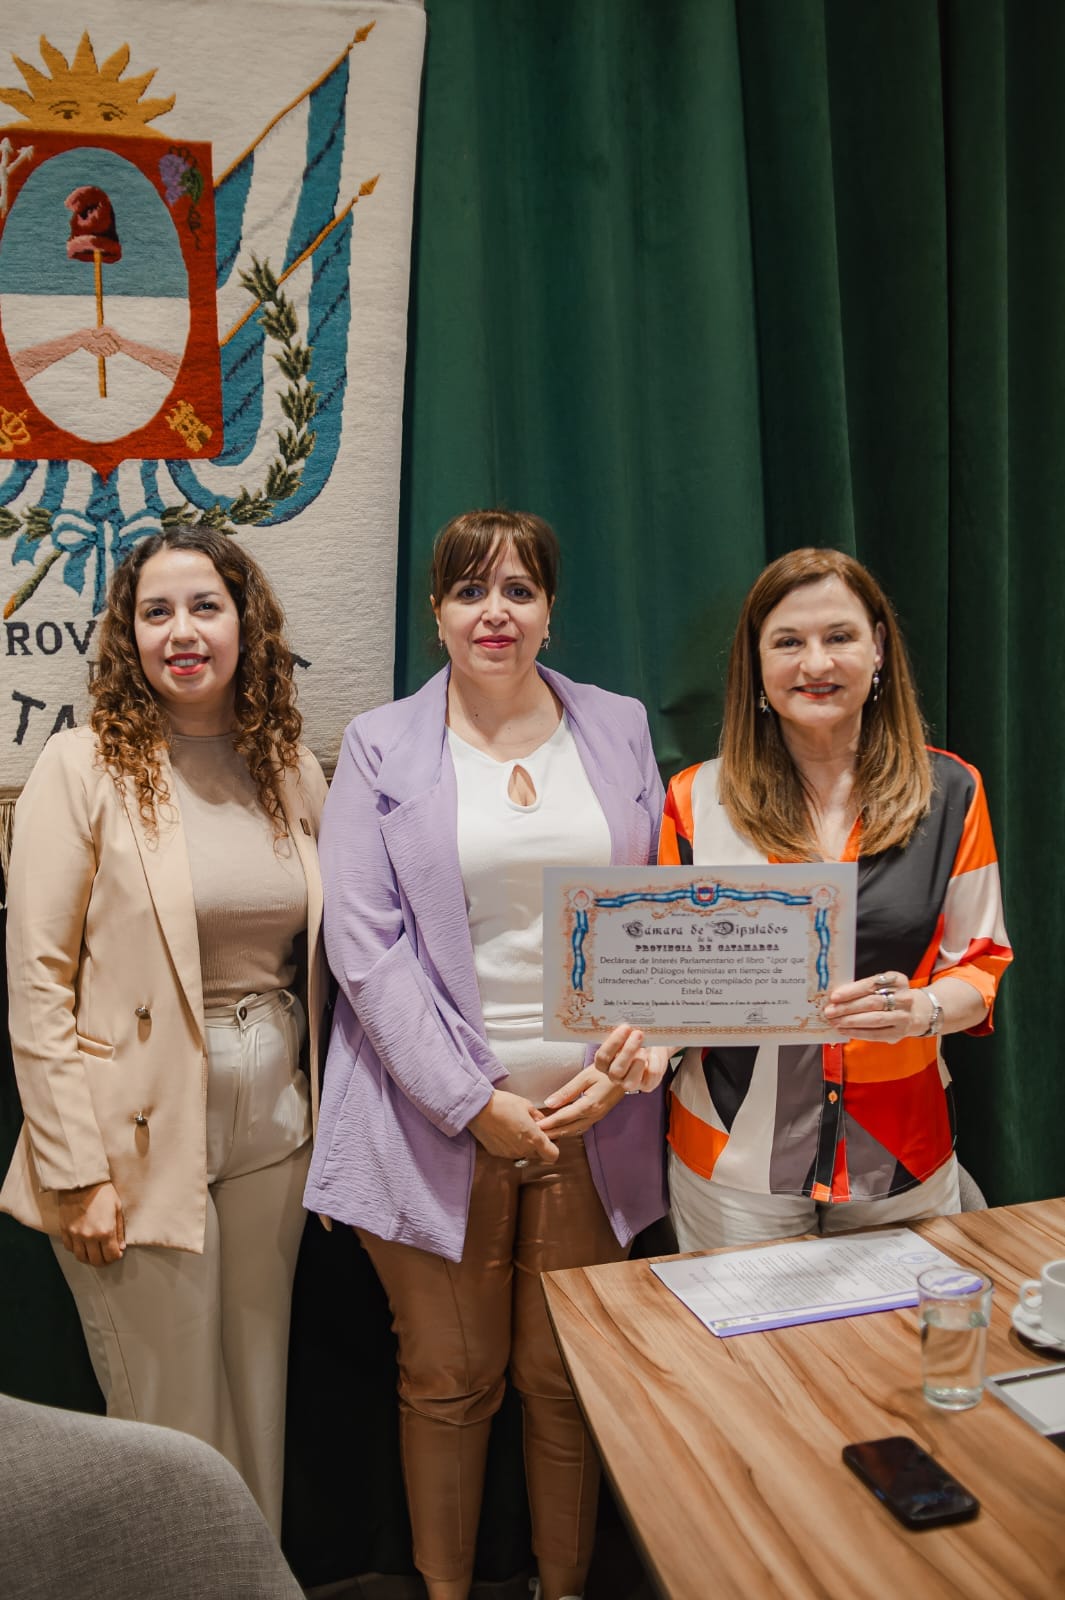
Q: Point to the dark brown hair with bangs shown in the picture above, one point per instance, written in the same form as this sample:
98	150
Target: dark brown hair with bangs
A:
465	548
759	784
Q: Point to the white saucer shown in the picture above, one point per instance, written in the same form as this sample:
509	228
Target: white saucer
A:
1029	1327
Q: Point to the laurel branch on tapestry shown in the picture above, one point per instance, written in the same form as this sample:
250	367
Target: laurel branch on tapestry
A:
279	321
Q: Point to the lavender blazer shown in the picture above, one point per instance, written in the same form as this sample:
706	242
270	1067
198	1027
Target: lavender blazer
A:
409	1064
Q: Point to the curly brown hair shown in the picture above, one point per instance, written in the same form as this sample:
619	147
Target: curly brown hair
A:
131	726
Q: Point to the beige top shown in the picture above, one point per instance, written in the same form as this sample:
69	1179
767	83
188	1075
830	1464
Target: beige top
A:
249	887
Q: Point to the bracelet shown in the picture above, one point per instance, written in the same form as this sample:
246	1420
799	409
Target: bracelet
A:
935	1023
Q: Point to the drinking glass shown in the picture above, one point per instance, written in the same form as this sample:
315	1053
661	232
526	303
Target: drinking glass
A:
954	1310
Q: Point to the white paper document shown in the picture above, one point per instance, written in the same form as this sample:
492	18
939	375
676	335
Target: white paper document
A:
805	1280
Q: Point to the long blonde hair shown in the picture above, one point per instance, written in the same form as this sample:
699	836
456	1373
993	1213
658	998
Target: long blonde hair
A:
759	784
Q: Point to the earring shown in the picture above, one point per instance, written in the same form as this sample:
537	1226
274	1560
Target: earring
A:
440	645
875	693
763	704
546	640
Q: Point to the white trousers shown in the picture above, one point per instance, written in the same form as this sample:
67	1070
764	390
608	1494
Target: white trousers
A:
708	1215
200	1342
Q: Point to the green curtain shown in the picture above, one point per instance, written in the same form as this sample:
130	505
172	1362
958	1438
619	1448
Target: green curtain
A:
702	281
705	280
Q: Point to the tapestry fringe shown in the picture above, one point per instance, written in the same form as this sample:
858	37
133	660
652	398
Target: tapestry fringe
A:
7	827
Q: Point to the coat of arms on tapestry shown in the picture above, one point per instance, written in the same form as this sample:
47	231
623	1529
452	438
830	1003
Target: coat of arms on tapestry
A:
204	253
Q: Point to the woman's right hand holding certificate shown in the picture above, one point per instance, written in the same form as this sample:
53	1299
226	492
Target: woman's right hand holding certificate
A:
624	1060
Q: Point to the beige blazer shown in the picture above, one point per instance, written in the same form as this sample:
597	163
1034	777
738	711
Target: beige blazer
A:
107	1025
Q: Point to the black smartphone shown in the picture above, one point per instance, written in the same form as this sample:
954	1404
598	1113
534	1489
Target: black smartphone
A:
913	1486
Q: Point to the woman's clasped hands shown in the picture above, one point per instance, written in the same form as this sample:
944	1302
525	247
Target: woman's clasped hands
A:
620	1066
511	1126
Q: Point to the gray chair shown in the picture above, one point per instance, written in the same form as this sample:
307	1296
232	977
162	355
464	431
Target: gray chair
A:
96	1509
972	1196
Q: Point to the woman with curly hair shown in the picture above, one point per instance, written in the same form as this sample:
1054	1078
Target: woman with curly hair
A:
164	892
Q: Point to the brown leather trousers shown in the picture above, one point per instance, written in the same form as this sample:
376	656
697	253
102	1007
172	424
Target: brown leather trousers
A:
460	1326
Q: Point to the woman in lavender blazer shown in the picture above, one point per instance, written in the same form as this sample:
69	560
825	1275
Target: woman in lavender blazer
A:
469	1155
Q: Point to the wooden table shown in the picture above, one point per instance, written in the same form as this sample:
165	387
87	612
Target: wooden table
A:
725	1453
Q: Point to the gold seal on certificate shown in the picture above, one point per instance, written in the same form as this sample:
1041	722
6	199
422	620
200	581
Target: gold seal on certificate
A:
697	955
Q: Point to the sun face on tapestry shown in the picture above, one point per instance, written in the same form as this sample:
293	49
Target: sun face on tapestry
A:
139	300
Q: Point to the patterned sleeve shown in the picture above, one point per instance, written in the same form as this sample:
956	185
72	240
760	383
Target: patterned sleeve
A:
973	943
675	839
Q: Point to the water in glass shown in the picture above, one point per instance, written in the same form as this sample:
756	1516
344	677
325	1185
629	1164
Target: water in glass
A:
953	1340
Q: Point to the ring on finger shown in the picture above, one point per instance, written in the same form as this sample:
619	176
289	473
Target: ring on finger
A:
884	980
889	1000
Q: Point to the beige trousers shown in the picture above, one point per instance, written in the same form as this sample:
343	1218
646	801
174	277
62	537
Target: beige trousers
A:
708	1216
200	1342
460	1326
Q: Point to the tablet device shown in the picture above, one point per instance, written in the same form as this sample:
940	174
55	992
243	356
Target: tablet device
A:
1038	1395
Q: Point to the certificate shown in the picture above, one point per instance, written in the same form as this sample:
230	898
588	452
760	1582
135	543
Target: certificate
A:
697	955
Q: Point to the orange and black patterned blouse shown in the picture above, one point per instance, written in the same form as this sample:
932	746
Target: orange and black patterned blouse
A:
856	1121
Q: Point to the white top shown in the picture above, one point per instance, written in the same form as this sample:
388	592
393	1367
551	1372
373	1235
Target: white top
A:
503	849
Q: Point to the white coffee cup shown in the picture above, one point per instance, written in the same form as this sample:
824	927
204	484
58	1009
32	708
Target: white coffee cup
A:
1043	1298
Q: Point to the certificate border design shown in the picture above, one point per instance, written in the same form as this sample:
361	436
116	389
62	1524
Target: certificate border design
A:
574	1005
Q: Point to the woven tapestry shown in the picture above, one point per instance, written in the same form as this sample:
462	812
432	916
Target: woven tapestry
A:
205	216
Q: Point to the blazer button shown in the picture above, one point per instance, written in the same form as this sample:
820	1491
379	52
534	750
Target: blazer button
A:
141	1120
144	1012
